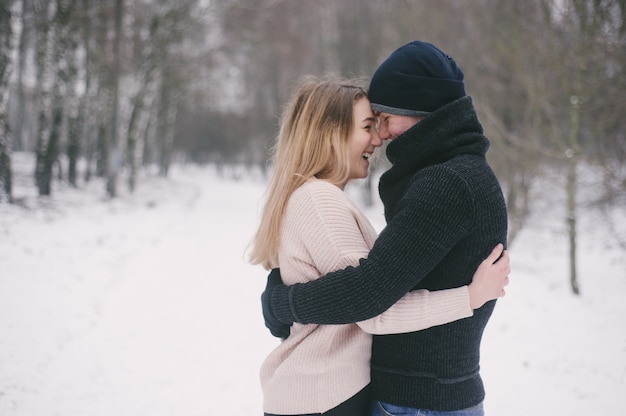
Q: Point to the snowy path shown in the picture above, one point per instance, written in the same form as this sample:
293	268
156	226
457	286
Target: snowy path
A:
130	310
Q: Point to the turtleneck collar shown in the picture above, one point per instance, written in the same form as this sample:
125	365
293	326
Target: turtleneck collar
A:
451	130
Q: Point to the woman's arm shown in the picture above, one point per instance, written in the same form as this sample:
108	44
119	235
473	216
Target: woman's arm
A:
421	309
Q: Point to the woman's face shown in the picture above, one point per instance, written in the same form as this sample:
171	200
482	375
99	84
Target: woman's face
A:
364	139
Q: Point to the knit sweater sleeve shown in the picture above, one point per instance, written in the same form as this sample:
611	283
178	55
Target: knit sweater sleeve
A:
421	309
415	240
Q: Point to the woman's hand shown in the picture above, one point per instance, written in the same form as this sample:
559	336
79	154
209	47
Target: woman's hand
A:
490	278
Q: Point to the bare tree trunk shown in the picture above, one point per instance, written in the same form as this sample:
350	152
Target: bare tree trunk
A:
166	118
55	79
149	136
74	119
6	175
138	119
87	126
102	149
114	159
571	222
573	156
6	47
52	151
138	123
170	114
22	139
133	140
44	67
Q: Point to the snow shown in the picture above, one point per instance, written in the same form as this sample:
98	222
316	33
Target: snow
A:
145	305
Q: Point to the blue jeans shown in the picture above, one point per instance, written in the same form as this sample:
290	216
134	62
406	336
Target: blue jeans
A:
386	409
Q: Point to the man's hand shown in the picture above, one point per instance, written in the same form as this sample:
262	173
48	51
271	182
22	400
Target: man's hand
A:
276	327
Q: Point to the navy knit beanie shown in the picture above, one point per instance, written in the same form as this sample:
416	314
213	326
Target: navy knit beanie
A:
415	80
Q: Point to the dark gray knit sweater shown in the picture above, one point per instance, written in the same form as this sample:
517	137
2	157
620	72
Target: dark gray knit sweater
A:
445	212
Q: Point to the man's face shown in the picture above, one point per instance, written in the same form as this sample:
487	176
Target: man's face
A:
391	126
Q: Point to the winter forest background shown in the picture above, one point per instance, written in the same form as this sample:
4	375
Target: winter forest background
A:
109	97
107	90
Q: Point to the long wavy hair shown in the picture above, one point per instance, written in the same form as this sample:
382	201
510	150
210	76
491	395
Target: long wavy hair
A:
312	143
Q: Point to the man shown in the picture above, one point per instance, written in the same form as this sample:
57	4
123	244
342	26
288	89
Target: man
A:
445	212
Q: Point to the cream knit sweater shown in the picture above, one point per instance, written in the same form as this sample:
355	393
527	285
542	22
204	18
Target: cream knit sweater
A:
320	366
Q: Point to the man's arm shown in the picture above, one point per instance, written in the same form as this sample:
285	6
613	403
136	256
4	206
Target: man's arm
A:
417	238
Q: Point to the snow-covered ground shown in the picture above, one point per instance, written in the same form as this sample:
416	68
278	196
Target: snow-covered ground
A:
145	306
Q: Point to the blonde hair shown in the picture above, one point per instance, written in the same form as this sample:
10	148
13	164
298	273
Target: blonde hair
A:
312	142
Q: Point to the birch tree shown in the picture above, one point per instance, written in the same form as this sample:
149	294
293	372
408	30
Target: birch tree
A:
114	162
21	130
6	53
46	149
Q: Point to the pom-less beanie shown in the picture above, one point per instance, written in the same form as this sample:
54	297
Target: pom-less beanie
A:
416	79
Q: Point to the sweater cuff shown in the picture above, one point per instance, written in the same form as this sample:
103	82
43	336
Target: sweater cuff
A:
281	304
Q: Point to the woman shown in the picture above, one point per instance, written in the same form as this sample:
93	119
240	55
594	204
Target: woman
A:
309	227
